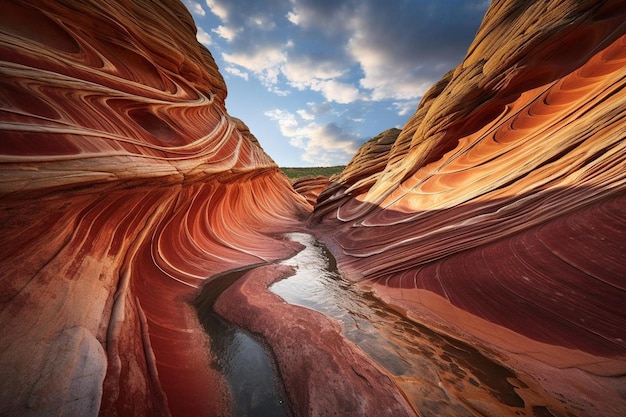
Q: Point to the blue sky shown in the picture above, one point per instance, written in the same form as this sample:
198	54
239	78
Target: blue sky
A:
314	79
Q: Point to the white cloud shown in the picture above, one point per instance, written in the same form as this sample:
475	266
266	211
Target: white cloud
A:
225	32
336	91
262	22
264	63
301	72
305	114
314	110
203	37
324	144
319	109
287	122
237	72
325	16
293	18
404	108
321	76
278	91
195	8
217	9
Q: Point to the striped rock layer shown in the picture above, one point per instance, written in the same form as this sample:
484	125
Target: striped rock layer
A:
124	183
498	212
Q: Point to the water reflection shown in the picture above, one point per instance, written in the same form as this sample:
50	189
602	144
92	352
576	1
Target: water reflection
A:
439	375
244	361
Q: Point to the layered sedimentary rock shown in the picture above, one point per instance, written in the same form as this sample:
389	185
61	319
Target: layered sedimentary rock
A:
311	187
495	214
324	374
362	171
498	212
124	183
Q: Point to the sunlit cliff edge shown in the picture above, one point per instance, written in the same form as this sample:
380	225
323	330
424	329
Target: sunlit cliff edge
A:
498	211
124	183
496	214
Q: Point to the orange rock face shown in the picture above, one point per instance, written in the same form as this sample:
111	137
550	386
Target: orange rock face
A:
124	183
311	187
360	173
498	212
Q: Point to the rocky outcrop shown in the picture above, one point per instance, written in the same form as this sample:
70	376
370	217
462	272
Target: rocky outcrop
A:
124	183
360	173
496	213
310	187
324	374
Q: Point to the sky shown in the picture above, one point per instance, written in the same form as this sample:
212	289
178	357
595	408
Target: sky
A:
315	79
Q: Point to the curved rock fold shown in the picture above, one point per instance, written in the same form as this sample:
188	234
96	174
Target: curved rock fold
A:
495	215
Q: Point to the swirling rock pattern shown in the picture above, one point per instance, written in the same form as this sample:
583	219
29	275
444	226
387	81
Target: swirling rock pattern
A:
311	187
124	184
500	206
496	214
360	173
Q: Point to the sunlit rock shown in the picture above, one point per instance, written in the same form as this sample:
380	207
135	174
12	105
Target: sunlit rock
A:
361	172
124	184
495	216
497	213
310	187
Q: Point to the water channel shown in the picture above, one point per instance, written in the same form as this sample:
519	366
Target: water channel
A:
244	361
439	375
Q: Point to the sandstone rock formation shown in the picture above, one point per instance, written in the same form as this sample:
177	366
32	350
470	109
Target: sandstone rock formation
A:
311	187
316	362
361	172
495	215
124	183
498	212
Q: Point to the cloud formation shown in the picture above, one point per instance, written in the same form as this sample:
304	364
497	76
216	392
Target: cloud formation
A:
323	144
348	50
344	52
203	37
194	7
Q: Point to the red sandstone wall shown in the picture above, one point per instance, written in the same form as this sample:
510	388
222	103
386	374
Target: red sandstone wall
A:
498	212
124	183
310	187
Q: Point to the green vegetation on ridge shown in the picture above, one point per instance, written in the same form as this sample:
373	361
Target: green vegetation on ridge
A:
295	173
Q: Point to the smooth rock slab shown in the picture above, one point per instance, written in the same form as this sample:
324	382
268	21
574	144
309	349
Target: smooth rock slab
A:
324	373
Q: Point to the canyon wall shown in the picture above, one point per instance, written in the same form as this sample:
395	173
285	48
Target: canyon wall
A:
496	214
124	183
498	211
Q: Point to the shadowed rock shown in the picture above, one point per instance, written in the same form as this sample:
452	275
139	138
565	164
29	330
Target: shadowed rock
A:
498	211
124	184
495	214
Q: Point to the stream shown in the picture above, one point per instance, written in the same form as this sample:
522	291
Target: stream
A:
438	374
244	361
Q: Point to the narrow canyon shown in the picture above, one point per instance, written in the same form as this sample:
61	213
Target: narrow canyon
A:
153	257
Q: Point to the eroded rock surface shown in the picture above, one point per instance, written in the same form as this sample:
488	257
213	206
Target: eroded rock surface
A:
324	374
497	213
311	187
124	184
